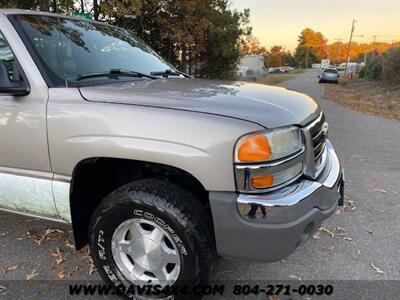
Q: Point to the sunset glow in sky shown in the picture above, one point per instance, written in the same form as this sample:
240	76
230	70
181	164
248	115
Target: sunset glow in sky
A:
279	22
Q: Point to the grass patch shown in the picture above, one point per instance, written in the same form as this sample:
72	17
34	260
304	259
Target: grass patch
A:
274	79
367	96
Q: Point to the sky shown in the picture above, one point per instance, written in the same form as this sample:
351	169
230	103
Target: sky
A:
279	22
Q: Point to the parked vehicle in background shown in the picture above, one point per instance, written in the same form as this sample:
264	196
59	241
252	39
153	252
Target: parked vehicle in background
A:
255	63
158	172
286	69
275	71
341	68
329	75
280	70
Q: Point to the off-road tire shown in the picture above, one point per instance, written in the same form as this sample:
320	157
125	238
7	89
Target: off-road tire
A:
178	208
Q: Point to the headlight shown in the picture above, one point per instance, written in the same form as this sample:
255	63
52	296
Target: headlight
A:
269	145
268	159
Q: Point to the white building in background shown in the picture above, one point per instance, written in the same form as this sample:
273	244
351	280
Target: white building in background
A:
352	67
325	63
251	66
316	66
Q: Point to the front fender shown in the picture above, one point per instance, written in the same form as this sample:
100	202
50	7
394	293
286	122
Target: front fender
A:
198	143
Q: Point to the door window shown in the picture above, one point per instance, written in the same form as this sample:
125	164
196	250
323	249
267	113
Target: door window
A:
6	56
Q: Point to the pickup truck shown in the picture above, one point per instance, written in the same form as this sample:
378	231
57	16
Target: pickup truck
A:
158	172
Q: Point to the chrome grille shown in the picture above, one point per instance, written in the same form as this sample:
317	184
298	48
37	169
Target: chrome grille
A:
316	132
318	135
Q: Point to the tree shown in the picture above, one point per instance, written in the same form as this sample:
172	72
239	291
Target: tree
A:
96	10
228	27
189	33
288	59
337	52
252	46
312	47
204	35
275	56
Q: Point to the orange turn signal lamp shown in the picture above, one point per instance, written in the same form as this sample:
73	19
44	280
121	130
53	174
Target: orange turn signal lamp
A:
262	182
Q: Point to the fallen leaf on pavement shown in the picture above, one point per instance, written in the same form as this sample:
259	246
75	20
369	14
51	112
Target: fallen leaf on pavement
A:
55	235
11	269
50	230
59	257
323	229
69	245
92	268
85	252
376	269
62	274
3	290
317	235
328	248
49	234
86	256
339	231
349	205
32	275
76	270
294	277
379	191
37	239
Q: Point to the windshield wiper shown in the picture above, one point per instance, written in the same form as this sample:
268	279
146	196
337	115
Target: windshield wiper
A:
169	72
114	73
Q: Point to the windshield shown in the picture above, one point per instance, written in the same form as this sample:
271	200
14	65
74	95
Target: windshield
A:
66	48
330	71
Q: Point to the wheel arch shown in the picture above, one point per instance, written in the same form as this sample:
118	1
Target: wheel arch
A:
95	177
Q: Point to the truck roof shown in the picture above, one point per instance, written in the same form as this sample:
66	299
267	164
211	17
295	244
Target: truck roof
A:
13	11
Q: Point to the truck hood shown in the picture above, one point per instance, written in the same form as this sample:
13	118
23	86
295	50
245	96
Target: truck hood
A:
261	104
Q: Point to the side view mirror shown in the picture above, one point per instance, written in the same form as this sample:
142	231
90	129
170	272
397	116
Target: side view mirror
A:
319	76
11	87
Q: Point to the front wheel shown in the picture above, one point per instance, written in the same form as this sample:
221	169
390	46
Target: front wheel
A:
152	232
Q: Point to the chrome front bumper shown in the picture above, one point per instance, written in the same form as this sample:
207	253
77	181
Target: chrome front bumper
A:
268	227
289	204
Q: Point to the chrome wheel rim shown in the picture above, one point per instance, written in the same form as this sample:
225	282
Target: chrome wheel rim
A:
145	253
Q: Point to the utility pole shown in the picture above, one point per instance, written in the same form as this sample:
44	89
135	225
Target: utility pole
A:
373	47
308	52
365	56
348	48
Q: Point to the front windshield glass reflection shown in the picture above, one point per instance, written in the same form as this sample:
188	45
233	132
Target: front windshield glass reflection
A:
70	47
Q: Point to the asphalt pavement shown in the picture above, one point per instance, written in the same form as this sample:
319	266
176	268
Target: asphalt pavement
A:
357	247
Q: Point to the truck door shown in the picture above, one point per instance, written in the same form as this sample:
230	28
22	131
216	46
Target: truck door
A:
25	171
